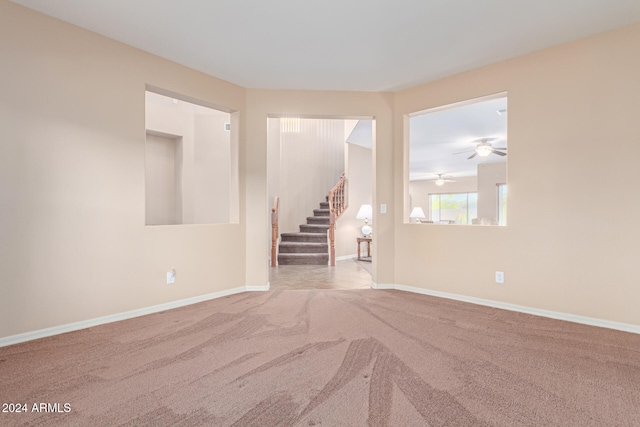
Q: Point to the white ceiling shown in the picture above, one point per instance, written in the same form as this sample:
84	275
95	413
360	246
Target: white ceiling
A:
436	138
184	106
362	134
363	45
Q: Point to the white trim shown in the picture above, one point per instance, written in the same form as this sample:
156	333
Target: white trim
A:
70	327
375	285
258	288
592	321
342	258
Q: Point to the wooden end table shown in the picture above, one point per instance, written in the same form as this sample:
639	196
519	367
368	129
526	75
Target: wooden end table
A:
367	240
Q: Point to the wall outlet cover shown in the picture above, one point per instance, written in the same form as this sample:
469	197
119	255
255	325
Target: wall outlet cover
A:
171	277
499	276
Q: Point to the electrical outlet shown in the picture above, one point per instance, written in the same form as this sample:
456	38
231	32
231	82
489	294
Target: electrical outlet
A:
171	277
499	276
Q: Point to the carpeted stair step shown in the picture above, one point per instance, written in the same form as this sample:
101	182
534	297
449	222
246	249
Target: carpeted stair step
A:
303	237
303	259
324	220
314	228
304	247
309	246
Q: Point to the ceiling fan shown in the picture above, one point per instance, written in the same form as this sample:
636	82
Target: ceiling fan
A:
484	148
442	179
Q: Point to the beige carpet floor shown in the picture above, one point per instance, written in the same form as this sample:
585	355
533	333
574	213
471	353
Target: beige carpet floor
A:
328	357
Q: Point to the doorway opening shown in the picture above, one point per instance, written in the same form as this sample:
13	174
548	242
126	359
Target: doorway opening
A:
306	159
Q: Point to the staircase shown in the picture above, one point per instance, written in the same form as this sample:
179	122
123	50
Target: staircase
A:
309	246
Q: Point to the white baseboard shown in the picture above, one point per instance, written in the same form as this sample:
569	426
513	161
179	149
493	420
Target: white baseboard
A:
375	285
342	258
42	333
592	321
70	327
258	288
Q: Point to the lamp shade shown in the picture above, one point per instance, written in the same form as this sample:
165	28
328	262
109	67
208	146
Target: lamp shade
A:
365	212
417	213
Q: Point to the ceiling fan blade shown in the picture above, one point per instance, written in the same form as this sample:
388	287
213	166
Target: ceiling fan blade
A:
472	156
481	140
462	152
498	148
498	153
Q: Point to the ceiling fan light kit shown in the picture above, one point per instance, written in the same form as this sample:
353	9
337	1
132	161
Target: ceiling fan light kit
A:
484	149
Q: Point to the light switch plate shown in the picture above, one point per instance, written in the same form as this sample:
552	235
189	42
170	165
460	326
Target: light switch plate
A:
383	208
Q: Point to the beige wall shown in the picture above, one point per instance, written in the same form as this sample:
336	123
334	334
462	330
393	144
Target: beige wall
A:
573	130
489	176
203	157
163	121
360	188
73	244
163	195
212	170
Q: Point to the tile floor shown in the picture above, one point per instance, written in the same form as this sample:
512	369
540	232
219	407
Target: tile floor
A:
347	274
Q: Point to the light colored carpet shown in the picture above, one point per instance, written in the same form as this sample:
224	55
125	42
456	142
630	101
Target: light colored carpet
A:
329	357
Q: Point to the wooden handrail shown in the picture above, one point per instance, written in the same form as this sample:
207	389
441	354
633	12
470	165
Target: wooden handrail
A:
337	204
274	231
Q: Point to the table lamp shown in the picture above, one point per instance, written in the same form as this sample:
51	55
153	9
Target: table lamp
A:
418	214
366	213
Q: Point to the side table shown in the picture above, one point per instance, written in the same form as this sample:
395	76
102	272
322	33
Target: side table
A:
366	240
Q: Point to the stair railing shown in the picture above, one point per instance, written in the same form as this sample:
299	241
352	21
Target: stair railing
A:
337	204
274	231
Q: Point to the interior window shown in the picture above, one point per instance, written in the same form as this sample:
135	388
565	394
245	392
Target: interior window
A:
457	157
502	204
191	162
458	208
